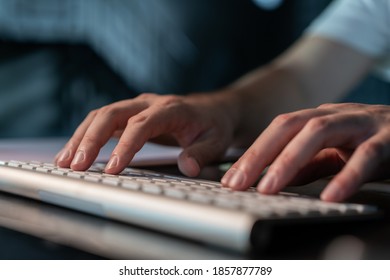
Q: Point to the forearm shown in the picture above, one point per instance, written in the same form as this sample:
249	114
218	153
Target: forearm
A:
312	72
263	94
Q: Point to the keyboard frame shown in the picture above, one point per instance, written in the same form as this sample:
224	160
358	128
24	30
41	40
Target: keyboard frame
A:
223	227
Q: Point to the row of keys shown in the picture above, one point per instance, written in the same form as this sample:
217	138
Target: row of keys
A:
199	191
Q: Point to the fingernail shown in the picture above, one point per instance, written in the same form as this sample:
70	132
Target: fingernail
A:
113	162
79	157
234	178
64	155
193	166
267	184
188	166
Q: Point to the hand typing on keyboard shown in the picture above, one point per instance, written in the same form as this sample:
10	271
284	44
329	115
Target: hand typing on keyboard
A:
350	141
203	126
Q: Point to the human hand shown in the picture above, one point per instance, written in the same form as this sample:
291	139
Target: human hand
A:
198	123
350	141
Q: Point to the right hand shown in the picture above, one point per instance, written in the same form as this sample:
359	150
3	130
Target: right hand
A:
198	123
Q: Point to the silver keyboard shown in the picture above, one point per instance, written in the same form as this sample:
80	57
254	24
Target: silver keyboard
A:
197	191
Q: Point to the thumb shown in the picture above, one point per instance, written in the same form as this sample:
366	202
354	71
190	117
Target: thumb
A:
199	153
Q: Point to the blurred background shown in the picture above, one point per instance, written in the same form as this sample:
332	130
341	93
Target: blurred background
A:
59	59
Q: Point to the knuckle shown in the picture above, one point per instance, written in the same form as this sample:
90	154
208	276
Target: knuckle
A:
287	119
251	155
286	160
108	111
247	160
372	149
73	143
375	110
319	125
137	119
92	113
129	146
146	95
124	145
174	106
326	106
283	162
92	140
170	101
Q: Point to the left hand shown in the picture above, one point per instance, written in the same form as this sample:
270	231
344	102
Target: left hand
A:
203	124
350	141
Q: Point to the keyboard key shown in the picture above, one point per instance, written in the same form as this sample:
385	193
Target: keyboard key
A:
131	185
75	175
175	193
151	188
92	178
110	181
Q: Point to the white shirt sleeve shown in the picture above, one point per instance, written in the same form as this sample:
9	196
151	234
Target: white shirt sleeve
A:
361	24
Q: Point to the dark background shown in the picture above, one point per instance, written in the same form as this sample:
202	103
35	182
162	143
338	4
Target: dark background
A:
52	76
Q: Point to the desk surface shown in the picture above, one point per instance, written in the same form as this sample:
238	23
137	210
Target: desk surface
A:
33	230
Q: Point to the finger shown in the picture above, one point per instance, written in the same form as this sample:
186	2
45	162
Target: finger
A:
268	145
342	107
206	149
65	156
327	162
161	118
359	169
107	121
323	132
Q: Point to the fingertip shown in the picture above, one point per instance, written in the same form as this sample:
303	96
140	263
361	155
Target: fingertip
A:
113	166
62	164
333	193
188	165
235	179
63	158
113	171
77	167
268	184
80	162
